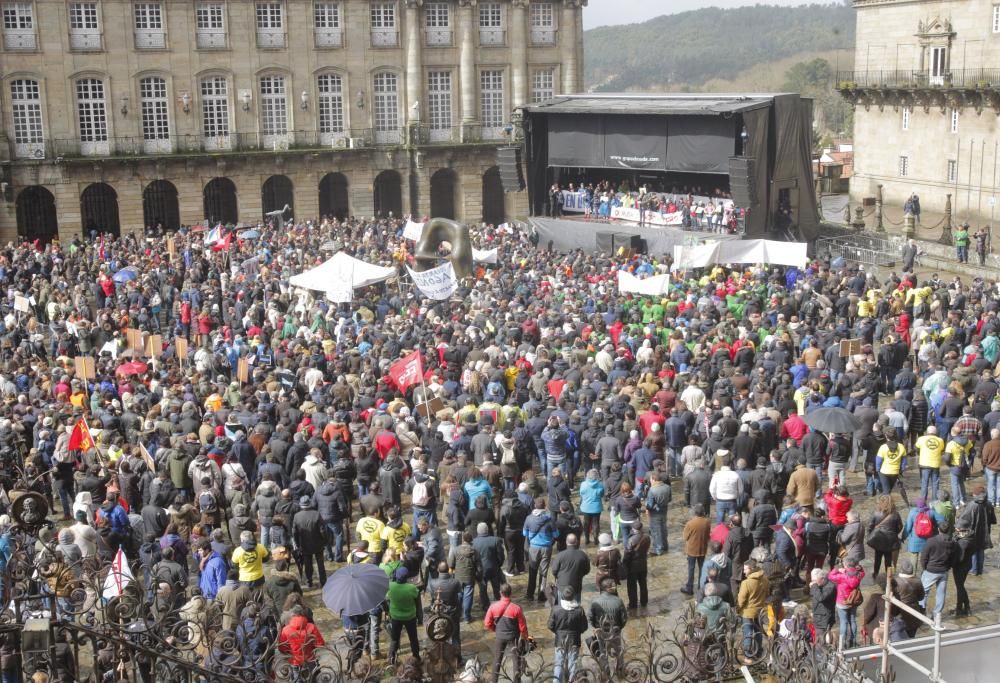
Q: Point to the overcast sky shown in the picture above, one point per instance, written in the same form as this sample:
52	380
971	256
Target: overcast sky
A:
609	12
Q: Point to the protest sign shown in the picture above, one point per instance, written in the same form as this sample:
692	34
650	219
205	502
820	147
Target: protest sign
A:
437	283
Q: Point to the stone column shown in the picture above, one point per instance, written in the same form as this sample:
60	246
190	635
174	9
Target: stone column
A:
519	52
568	47
414	69
467	63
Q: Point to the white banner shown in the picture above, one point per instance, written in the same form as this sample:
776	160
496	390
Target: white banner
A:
413	231
574	202
487	256
437	283
770	252
622	213
650	286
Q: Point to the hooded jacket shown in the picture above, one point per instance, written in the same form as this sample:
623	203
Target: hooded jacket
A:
330	502
719	561
846	581
279	586
714	608
299	639
540	529
213	576
568	622
753	594
307	529
265	501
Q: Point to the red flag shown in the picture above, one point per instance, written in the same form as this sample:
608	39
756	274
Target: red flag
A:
80	438
555	387
407	371
100	251
225	243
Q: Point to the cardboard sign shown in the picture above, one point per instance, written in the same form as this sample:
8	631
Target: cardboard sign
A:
85	368
243	370
154	345
850	347
430	408
134	339
21	304
171	248
147	457
182	348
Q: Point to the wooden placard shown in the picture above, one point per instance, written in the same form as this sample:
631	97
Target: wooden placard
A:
182	348
171	248
154	345
243	370
21	304
144	453
430	408
134	339
850	347
85	368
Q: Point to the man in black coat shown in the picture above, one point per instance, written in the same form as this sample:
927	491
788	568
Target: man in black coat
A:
568	622
570	567
446	588
307	535
696	486
512	515
489	548
332	509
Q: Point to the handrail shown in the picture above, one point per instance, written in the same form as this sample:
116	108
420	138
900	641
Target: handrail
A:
934	673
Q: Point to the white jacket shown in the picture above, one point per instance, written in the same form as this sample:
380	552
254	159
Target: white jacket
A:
725	485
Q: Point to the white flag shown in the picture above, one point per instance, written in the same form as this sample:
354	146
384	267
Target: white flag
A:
119	577
437	283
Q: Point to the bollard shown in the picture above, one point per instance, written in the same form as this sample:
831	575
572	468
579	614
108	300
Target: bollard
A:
909	225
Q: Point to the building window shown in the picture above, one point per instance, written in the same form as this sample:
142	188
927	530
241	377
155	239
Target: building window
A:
386	106
149	31
938	65
211	25
273	110
439	104
326	25
906	118
215	112
331	108
437	24
270	25
383	18
84	26
19	26
542	85
996	18
26	103
92	116
904	166
543	23
155	115
491	108
491	26
952	170
954	120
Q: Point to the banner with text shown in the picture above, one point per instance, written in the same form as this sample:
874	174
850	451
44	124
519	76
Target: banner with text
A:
622	213
437	283
413	231
574	202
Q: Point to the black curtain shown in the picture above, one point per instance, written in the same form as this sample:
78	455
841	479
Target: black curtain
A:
758	132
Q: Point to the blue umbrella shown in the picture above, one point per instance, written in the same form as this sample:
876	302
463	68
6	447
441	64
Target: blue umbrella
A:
125	275
355	589
249	234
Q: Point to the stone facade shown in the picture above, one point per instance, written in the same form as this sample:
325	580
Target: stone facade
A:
926	92
101	98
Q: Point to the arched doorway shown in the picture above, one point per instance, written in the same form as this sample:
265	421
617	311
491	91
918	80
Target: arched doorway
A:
159	205
276	193
220	201
333	196
99	209
494	211
388	194
36	215
443	184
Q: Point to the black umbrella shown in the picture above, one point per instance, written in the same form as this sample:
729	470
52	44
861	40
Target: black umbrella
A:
832	421
355	589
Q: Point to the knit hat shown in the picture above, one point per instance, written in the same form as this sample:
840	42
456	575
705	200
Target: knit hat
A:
483	529
605	539
401	574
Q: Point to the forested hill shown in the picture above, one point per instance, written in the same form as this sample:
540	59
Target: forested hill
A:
688	50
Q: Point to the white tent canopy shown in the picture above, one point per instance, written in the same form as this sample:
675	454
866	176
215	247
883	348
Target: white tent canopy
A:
341	272
771	252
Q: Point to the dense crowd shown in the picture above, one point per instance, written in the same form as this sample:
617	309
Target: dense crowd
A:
557	415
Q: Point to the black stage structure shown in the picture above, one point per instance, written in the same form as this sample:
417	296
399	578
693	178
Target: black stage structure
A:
757	147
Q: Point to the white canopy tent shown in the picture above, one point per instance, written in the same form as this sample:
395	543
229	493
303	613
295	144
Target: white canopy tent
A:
771	252
340	275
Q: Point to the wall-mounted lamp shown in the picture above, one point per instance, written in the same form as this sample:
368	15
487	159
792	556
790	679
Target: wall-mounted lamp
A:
361	99
304	99
245	98
124	104
186	102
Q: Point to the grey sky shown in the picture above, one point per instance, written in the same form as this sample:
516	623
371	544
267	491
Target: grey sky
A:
610	12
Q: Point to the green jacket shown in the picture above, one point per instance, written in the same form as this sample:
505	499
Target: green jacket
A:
404	601
961	238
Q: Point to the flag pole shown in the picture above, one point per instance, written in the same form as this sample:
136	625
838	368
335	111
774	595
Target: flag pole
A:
94	441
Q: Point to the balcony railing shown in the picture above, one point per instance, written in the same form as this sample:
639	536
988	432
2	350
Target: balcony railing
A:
270	38
20	39
543	36
150	39
85	41
438	37
385	37
915	79
329	37
210	38
492	37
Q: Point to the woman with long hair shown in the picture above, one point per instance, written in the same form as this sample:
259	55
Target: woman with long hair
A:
883	531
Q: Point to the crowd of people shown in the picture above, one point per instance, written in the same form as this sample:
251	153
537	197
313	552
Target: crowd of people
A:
559	422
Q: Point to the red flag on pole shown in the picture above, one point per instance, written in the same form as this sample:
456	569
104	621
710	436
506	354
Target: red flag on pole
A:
555	387
407	371
80	438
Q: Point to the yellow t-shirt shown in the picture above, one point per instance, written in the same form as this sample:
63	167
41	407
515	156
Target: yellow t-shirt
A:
394	536
370	529
930	447
958	455
892	460
250	562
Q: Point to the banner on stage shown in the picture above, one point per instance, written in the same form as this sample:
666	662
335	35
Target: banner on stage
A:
437	283
574	202
652	218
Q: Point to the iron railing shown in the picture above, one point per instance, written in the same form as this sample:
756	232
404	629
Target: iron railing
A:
868	249
915	79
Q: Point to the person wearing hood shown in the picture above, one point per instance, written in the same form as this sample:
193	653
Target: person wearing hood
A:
212	568
978	517
70	551
179	463
716	611
298	642
333	510
264	503
85	536
280	584
540	532
751	599
241	521
203	467
315	468
307	537
568	623
84	503
249	558
718	560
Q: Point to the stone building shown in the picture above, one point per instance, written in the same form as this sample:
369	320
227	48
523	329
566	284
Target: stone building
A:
926	90
119	114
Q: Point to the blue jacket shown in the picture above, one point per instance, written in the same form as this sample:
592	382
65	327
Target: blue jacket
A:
555	442
914	543
591	496
540	529
118	519
213	576
478	487
6	551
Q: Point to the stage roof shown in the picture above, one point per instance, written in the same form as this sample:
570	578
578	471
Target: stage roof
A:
677	105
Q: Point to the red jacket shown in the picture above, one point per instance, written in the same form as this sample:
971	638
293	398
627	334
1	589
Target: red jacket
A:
503	613
385	441
846	580
836	508
298	641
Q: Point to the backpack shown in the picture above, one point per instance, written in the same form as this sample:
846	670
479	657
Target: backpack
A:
420	496
207	503
923	526
508	457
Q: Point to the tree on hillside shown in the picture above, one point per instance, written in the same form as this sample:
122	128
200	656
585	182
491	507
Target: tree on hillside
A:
815	79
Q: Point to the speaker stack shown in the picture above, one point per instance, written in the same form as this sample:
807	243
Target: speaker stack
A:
741	181
511	175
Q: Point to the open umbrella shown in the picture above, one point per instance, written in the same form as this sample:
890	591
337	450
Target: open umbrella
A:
125	275
329	245
133	367
832	421
198	228
355	589
249	234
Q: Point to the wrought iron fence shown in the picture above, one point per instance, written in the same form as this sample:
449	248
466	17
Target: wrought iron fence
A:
913	79
864	248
